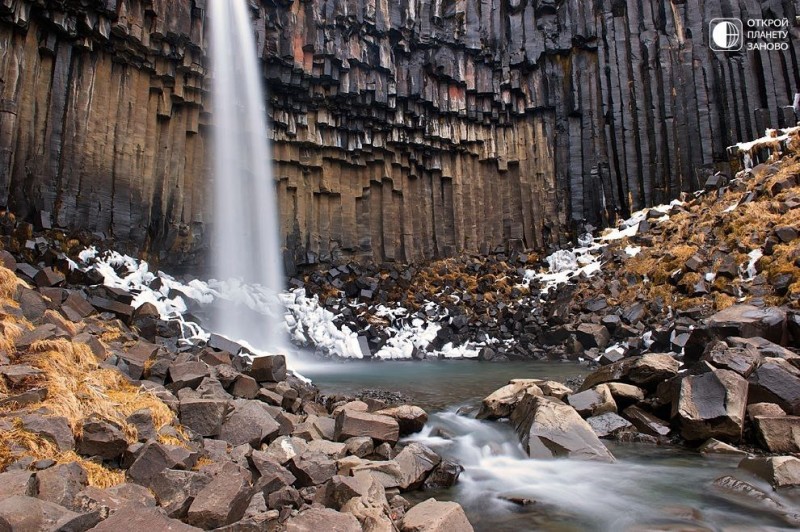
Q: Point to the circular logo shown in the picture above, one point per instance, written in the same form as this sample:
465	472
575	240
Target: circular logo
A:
727	35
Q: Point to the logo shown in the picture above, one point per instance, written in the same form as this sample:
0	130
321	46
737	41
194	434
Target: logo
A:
727	34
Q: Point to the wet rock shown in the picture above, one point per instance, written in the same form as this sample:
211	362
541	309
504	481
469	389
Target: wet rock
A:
60	484
646	422
748	321
416	461
203	416
780	471
609	425
102	439
435	516
712	405
223	501
351	423
410	418
779	434
28	513
175	490
317	519
139	518
741	492
593	402
501	402
249	422
548	428
774	382
444	475
713	446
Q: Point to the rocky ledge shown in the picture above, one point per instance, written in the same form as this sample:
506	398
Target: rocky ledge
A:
109	422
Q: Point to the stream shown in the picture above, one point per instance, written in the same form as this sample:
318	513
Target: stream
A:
649	488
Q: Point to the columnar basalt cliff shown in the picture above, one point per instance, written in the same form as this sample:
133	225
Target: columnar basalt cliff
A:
402	130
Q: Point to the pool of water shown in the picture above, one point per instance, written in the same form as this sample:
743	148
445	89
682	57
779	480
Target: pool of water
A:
649	487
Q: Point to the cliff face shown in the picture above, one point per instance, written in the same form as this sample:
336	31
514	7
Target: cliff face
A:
403	130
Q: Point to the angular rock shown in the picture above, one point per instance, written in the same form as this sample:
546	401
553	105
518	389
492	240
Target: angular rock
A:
593	335
138	518
23	513
17	483
742	360
416	461
444	475
249	422
773	382
501	402
268	368
779	434
593	402
351	423
764	410
273	476
53	428
713	446
548	428
102	439
175	490
151	460
646	422
712	405
625	393
245	387
609	425
435	516
221	502
187	374
410	418
780	471
61	483
203	416
312	469
318	519
748	321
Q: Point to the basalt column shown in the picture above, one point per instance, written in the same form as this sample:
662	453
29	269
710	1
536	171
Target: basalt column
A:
402	130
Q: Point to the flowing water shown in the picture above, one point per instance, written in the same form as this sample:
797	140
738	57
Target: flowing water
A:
245	245
649	488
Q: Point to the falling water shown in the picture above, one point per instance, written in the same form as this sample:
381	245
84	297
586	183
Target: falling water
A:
246	251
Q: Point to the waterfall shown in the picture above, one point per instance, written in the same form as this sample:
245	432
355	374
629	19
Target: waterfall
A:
245	242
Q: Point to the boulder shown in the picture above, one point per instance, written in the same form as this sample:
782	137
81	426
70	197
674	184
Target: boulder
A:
743	493
351	423
713	446
332	449
249	422
203	416
501	402
609	425
142	518
774	382
416	461
625	394
360	446
779	434
23	513
18	482
151	460
268	368
312	469
410	418
175	490
285	448
245	387
711	405
593	402
549	428
649	370
748	321
61	483
387	472
142	420
223	501
436	516
742	360
187	375
53	428
102	439
318	519
764	410
780	471
593	335
273	476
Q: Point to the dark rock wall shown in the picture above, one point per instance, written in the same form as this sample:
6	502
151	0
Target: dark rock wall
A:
402	130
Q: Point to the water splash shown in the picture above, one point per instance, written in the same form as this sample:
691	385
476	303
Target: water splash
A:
245	245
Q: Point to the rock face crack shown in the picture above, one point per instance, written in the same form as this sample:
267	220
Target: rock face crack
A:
401	130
